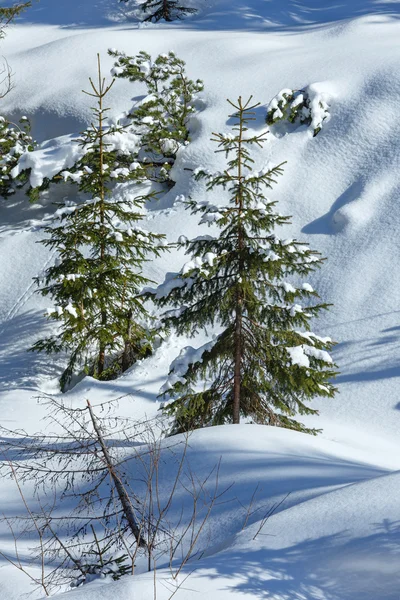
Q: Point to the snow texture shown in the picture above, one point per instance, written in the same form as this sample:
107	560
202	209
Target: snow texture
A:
337	536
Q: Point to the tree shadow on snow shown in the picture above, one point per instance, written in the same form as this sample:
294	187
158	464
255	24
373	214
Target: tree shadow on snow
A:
260	479
369	359
333	567
74	14
264	15
330	222
20	368
18	215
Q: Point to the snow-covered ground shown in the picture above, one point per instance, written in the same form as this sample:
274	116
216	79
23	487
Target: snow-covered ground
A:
337	536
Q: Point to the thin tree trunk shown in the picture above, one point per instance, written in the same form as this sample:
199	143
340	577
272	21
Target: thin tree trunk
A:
102	354
102	92
121	491
237	380
166	11
238	363
126	356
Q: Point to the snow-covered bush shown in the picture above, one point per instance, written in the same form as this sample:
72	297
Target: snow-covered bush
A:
301	107
95	564
68	160
162	118
15	140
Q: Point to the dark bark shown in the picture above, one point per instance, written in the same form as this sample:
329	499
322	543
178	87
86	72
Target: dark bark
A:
126	503
239	301
238	364
127	353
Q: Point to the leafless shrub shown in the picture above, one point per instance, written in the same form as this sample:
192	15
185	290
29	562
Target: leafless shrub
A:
112	495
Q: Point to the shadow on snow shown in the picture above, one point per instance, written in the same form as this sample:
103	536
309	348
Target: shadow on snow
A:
263	15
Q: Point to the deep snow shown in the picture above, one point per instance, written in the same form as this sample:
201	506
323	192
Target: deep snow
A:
337	536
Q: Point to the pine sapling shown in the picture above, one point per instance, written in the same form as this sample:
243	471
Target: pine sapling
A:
156	129
101	248
265	364
15	140
162	118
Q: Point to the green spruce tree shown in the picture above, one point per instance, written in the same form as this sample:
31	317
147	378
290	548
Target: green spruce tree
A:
167	10
155	130
101	248
162	118
15	140
265	364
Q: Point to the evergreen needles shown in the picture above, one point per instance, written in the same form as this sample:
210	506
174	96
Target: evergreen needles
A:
167	10
265	364
9	13
101	250
162	118
15	140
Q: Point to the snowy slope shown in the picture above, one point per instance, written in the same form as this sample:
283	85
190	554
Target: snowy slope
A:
335	537
324	544
342	189
313	555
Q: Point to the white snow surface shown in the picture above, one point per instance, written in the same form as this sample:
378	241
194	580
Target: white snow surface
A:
337	535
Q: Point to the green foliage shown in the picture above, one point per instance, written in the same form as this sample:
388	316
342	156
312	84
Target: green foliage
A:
101	249
119	155
111	567
298	107
9	13
34	193
155	130
167	10
265	364
15	140
99	562
162	118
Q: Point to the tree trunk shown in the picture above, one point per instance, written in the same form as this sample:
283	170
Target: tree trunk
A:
166	11
237	380
126	356
102	349
119	486
101	360
102	92
238	363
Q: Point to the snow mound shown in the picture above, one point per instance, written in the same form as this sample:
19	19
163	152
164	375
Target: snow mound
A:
321	543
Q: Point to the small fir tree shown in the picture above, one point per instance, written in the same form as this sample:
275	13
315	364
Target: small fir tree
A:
265	364
157	128
162	118
15	140
167	10
101	250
